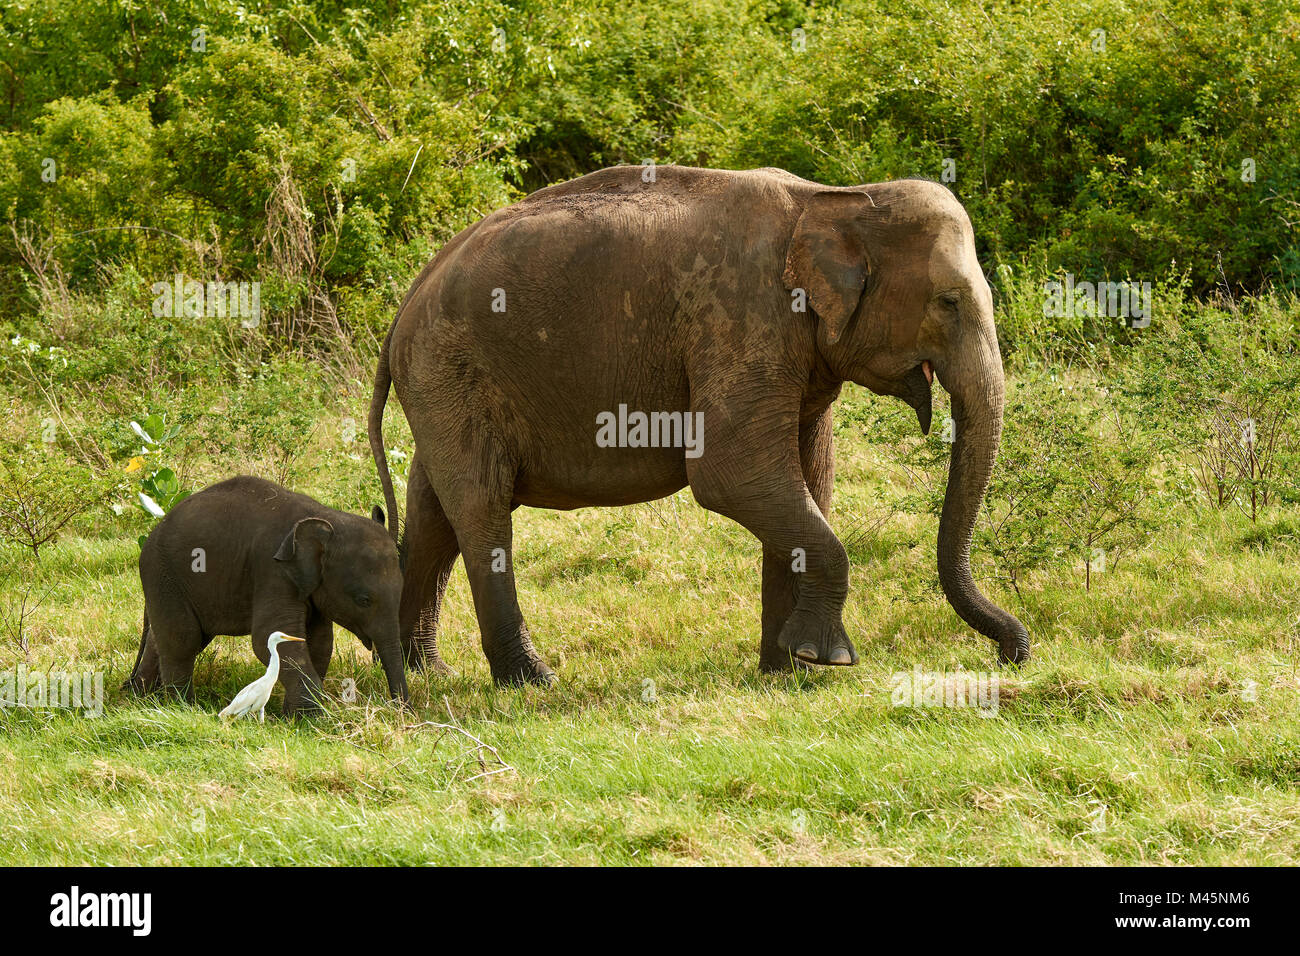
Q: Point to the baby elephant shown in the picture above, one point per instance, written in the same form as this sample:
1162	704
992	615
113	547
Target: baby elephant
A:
248	556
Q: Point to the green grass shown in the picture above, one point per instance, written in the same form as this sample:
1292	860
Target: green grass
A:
663	744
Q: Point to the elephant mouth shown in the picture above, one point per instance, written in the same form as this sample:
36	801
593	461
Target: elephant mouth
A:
916	392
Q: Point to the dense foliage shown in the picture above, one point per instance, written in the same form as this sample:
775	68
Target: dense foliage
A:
335	144
324	151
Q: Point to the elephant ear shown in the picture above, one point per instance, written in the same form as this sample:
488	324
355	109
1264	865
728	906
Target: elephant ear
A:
377	514
303	553
827	257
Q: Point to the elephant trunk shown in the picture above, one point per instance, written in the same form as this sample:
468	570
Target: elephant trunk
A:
977	390
389	649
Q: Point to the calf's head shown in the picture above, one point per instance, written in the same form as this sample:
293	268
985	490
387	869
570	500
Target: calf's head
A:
348	567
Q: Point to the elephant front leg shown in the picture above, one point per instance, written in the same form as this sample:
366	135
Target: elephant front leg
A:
781	571
780	586
298	675
806	570
320	644
814	631
304	690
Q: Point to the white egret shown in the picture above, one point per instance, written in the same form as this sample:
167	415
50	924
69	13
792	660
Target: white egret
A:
255	695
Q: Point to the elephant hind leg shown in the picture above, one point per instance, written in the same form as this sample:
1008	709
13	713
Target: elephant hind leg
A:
478	505
172	644
431	550
177	651
144	676
489	564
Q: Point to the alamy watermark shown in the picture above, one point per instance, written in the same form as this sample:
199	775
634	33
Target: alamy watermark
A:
918	688
53	690
651	430
133	911
1128	301
189	298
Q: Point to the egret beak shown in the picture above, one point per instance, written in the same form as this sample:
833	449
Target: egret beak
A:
286	637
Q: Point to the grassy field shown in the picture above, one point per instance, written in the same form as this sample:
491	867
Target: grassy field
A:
1157	722
210	213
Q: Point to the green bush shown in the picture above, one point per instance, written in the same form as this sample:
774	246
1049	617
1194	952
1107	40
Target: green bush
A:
381	130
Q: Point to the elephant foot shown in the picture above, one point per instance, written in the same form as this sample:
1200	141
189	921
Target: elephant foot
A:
815	640
778	661
306	702
439	667
527	670
139	686
304	708
430	662
184	693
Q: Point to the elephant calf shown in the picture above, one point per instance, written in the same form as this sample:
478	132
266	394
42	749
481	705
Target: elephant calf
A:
247	556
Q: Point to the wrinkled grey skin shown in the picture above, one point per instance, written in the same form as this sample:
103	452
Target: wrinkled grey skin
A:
273	560
673	295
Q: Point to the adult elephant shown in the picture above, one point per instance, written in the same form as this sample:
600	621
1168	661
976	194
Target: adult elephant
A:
742	298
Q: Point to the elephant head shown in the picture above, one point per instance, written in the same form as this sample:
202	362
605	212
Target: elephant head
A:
349	570
891	273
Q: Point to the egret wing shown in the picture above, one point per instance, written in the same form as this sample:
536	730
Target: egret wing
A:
245	700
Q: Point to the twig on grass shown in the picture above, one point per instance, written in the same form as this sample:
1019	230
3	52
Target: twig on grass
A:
477	750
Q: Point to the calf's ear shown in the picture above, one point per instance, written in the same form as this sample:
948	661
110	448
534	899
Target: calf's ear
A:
302	553
377	513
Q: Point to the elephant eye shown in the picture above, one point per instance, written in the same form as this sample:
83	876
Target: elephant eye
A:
363	600
950	299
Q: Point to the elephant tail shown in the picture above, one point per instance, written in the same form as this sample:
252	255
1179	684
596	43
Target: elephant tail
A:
133	681
375	427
